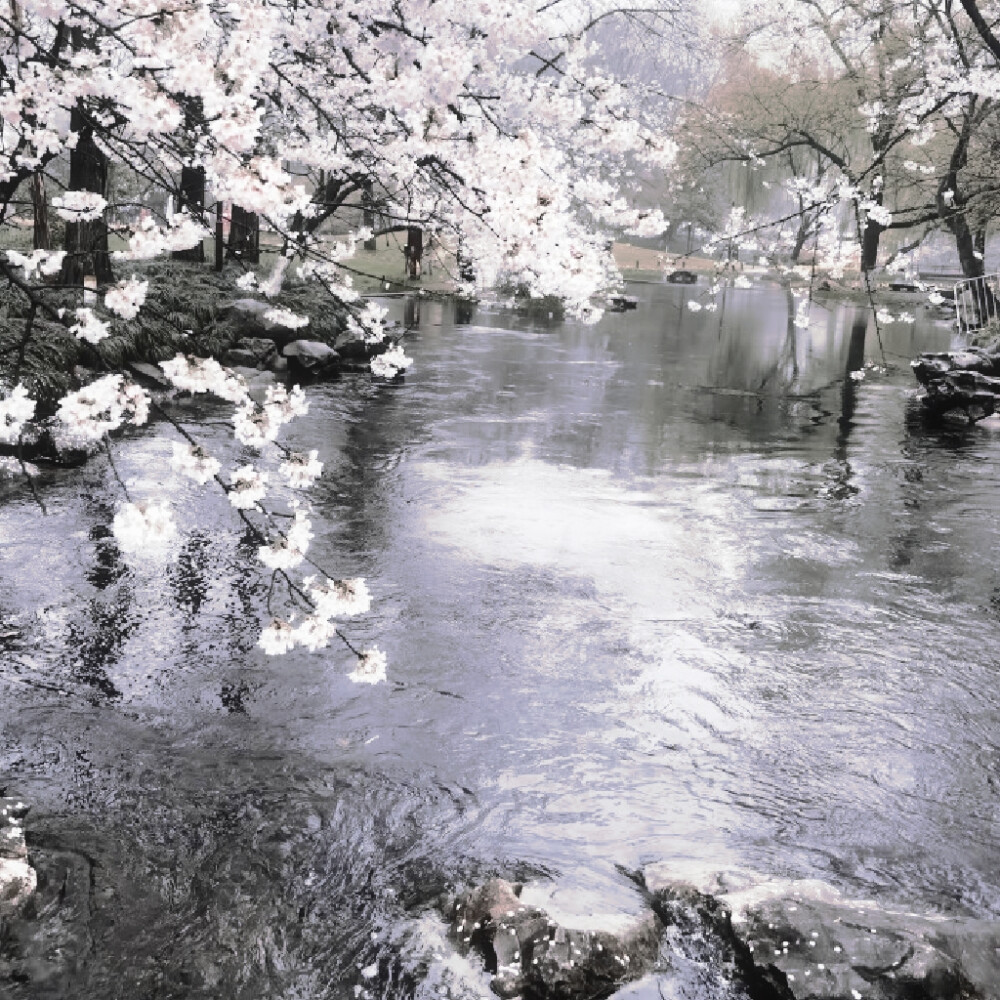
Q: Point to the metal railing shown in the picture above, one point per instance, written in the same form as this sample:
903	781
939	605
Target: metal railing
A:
977	302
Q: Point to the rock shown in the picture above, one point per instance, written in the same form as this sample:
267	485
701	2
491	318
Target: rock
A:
238	358
528	951
963	384
705	947
352	347
831	948
46	943
682	277
590	963
17	878
262	348
152	373
310	355
248	317
965	393
931	366
278	364
251	352
251	307
622	303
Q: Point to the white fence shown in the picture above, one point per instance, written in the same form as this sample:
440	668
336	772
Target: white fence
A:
977	301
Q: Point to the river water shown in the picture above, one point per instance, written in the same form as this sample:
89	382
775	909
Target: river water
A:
670	589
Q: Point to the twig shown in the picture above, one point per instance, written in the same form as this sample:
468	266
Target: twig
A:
114	468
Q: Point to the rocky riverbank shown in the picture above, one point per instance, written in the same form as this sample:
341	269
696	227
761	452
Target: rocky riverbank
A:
755	940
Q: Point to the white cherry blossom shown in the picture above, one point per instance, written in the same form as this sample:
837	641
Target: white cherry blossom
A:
144	527
15	411
247	487
195	463
370	668
127	297
338	598
301	470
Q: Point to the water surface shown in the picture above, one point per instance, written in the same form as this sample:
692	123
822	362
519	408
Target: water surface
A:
674	588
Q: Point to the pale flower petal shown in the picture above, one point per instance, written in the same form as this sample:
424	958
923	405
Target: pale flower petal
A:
146	527
371	667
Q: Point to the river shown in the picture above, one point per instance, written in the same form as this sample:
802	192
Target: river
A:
675	588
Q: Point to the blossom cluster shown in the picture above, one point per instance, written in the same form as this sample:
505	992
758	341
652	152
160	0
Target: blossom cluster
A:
198	375
79	206
257	424
390	363
15	411
144	528
89	327
38	263
127	297
84	417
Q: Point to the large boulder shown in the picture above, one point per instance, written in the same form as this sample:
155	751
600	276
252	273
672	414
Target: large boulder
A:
310	355
930	366
801	940
17	878
959	384
532	953
831	948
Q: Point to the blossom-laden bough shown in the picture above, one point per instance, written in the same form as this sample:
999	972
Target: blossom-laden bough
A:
490	125
853	124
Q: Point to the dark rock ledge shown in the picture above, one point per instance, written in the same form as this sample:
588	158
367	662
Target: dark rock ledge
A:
963	385
767	941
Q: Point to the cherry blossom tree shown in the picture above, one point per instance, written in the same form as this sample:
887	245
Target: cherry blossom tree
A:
493	122
885	109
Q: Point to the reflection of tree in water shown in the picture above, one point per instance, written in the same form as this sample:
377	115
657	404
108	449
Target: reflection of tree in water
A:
189	575
922	444
108	567
841	485
240	587
96	639
98	634
411	312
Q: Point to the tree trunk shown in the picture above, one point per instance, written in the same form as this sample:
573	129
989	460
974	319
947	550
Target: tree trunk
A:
244	236
969	243
220	233
869	245
368	215
965	244
414	250
800	238
42	239
192	197
87	242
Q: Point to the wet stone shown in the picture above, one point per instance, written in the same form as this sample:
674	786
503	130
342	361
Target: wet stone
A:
830	948
531	954
262	348
959	384
237	357
311	355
